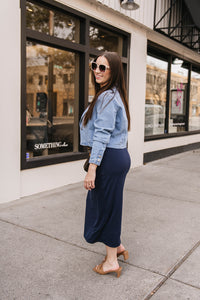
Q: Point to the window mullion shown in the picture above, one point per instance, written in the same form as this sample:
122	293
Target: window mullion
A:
53	41
188	98
168	94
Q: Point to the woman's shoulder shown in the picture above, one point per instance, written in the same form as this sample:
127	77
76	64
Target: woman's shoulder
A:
106	98
107	94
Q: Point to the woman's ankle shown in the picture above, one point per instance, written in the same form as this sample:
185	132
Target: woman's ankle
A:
120	248
112	260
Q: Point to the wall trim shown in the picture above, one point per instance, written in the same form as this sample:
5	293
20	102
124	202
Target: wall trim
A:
155	155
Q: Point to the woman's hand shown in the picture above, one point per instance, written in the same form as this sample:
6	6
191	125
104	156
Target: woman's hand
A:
89	182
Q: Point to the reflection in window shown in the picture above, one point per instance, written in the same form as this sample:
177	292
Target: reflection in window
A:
91	90
52	22
194	116
105	40
155	103
37	18
178	89
52	101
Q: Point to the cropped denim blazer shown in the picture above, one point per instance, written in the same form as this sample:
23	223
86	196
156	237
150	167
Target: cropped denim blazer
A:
108	126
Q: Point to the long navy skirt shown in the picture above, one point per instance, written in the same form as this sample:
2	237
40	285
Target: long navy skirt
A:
104	203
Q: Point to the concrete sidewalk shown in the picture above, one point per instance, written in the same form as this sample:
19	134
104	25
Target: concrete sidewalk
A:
43	254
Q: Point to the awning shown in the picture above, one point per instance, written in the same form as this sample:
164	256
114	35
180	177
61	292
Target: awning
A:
180	21
194	9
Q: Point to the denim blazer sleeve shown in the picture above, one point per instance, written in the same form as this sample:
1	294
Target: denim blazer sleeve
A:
104	124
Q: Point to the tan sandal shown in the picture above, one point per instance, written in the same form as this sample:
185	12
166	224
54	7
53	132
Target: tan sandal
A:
124	253
99	269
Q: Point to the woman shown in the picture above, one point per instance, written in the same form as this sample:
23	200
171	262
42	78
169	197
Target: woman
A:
104	127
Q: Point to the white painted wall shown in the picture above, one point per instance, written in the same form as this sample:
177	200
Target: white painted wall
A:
10	101
137	96
50	177
144	14
151	146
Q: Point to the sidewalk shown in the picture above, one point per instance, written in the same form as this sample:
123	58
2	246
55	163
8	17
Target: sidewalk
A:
43	254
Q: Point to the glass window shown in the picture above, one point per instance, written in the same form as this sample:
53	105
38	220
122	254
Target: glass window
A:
155	102
178	90
52	22
194	116
105	40
51	104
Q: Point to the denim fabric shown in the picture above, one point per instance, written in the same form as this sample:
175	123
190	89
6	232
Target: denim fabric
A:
108	126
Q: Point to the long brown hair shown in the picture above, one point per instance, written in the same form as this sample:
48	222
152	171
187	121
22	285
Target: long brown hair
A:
116	80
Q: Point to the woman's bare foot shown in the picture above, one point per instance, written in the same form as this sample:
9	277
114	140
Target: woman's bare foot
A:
110	265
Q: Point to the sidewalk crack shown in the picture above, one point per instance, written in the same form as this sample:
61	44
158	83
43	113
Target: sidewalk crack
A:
157	287
172	271
185	283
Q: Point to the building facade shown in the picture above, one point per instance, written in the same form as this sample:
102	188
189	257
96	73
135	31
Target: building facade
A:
47	49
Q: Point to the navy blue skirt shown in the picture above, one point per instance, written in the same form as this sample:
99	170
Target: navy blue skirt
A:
103	214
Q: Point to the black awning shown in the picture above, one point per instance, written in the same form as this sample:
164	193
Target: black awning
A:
194	9
180	21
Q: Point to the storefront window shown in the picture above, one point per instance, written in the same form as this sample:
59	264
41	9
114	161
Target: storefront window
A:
52	22
194	116
155	102
169	107
105	40
52	101
178	96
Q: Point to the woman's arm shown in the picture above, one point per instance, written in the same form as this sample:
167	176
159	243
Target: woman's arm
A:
104	125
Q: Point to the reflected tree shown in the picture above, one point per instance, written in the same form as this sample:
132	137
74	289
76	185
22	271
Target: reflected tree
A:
64	59
102	39
37	18
40	18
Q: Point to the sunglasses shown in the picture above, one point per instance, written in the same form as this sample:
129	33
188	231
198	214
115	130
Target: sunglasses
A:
102	68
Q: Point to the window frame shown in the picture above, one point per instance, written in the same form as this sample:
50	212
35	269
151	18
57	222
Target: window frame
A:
152	50
84	51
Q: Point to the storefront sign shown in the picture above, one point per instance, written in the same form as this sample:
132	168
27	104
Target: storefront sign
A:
177	124
50	145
